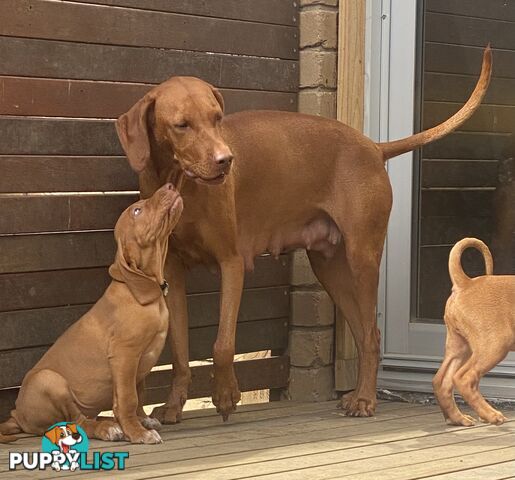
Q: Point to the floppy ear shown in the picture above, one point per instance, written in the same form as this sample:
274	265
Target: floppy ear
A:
144	289
132	129
218	97
53	435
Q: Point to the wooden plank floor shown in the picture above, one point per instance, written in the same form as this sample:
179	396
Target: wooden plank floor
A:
287	440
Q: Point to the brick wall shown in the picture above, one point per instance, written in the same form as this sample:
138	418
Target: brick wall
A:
312	312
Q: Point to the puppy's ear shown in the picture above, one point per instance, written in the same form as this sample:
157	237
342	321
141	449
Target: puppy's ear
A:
144	289
218	97
53	435
132	128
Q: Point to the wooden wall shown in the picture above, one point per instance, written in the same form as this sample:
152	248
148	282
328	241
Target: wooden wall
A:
465	181
67	69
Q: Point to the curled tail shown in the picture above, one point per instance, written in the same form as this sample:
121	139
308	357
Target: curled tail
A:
458	277
398	147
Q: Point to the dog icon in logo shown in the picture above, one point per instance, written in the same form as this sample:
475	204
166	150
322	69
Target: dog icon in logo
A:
65	437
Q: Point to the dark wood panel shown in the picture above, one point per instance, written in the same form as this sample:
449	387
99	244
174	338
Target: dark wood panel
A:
270	334
443	28
440	87
91	23
51	289
459	173
466	60
252	375
449	203
65	174
444	230
31	253
498	9
40	136
435	283
267	11
87	99
142	65
42	326
22	291
62	212
250	337
469	146
7	398
497	119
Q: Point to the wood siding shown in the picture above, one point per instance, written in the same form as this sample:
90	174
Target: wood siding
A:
465	184
68	70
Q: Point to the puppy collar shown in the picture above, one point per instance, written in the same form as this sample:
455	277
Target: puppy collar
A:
164	288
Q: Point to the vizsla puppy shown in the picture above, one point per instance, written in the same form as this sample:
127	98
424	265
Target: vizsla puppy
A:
298	181
480	319
101	361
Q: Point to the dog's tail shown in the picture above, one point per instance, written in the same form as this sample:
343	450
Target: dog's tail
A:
397	147
458	277
7	429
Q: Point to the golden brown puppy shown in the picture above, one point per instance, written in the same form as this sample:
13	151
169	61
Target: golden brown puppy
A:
101	361
297	181
480	319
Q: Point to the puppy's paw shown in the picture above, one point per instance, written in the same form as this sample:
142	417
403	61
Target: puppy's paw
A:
151	423
495	417
109	431
148	437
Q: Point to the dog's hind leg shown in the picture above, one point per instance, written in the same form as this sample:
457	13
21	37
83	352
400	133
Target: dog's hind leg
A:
466	380
456	353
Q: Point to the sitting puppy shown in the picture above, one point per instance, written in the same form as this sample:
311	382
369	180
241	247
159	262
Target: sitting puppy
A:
101	361
480	319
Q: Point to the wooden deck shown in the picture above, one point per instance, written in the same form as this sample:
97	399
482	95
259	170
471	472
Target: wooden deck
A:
285	440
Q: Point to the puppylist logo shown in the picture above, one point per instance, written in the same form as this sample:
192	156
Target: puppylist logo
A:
65	447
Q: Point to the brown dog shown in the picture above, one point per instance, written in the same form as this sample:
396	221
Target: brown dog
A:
101	361
480	319
298	181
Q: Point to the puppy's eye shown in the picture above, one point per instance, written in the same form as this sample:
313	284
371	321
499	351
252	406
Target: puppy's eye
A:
62	434
181	125
136	211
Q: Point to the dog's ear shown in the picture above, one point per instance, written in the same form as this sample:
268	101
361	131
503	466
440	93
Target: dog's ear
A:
132	128
72	427
144	289
53	435
218	97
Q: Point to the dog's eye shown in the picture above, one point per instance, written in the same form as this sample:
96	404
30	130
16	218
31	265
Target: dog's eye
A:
181	125
62	434
137	211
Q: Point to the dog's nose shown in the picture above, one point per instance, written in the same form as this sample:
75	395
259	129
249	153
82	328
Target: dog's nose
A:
223	159
76	436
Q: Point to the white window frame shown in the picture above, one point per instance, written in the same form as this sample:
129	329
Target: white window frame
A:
411	351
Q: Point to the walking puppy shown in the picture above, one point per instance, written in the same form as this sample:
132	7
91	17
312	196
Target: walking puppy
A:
480	319
101	361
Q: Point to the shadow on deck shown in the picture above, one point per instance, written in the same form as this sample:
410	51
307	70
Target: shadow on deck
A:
287	440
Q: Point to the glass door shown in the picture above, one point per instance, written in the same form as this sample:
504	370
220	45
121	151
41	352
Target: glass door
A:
423	61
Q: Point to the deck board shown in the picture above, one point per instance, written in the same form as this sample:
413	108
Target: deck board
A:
288	440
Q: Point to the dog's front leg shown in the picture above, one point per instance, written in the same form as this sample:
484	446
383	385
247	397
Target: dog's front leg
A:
171	411
226	392
124	364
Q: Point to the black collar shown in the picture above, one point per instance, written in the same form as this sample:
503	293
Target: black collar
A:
164	288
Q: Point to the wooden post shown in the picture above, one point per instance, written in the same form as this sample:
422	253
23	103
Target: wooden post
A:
350	106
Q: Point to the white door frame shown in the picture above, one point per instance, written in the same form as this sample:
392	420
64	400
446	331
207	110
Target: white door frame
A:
411	351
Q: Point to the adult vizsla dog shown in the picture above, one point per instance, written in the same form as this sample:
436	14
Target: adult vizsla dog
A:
298	181
480	320
101	361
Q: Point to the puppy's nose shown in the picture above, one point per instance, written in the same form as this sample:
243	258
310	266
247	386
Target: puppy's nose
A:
223	159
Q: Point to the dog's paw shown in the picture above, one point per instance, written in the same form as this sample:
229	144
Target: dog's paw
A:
74	466
148	437
167	414
109	431
461	420
495	418
358	406
151	423
225	401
